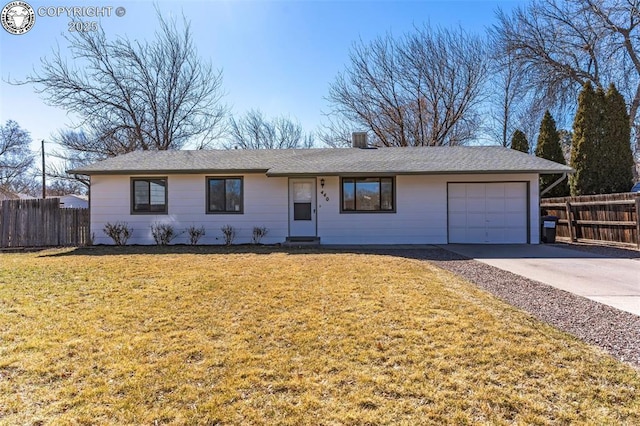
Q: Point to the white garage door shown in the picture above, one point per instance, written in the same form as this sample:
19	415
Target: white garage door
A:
487	212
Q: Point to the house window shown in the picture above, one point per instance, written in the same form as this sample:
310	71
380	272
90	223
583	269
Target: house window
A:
224	195
372	194
149	195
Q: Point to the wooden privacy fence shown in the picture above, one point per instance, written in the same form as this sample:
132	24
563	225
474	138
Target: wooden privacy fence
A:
611	218
42	223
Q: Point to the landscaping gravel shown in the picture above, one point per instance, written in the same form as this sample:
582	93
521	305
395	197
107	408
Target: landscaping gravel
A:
615	331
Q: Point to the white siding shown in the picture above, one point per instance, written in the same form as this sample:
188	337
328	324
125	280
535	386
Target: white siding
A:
265	204
73	202
421	211
420	216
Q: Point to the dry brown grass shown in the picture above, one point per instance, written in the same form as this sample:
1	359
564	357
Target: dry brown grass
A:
283	338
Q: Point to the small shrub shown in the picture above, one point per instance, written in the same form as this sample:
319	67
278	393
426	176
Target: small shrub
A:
163	233
229	233
119	232
194	234
258	233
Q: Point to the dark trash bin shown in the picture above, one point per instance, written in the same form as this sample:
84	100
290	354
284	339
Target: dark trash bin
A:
548	229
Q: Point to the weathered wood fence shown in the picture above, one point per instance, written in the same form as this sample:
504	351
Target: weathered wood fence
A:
42	223
611	218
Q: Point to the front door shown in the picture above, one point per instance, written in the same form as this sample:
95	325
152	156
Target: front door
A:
302	207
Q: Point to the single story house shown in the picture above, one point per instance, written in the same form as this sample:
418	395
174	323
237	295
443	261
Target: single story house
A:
69	201
413	195
73	201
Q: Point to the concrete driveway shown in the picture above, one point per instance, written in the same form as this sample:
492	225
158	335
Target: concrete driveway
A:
614	281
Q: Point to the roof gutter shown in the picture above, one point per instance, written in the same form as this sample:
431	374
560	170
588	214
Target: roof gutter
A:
347	172
554	184
143	172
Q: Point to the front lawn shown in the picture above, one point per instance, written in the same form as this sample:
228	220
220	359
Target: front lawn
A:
99	337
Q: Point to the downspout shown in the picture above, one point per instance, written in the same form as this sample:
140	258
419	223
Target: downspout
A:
554	184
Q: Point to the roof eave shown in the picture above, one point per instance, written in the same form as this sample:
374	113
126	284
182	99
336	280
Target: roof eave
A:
413	172
165	171
293	173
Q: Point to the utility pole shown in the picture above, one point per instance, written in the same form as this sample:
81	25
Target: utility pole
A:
44	182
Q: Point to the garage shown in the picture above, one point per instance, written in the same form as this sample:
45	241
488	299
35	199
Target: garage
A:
489	212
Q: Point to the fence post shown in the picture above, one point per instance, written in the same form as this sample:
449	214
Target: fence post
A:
572	236
4	224
638	221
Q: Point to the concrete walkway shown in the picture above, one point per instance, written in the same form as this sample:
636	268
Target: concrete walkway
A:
610	280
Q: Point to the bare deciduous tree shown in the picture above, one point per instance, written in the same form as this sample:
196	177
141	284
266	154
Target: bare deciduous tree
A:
337	131
508	96
78	150
254	131
61	187
561	44
16	158
132	95
422	89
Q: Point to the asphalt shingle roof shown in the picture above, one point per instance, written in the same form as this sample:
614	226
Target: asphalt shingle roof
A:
329	161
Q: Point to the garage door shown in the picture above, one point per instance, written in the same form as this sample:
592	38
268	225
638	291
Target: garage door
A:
487	212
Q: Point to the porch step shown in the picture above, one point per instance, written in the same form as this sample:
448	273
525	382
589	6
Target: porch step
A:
302	241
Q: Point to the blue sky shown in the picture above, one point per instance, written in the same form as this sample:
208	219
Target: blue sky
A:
276	56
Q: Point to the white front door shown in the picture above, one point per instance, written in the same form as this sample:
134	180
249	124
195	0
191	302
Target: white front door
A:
302	207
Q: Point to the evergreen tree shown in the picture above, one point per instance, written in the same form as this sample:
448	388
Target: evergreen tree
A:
617	159
519	142
587	137
548	147
565	144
